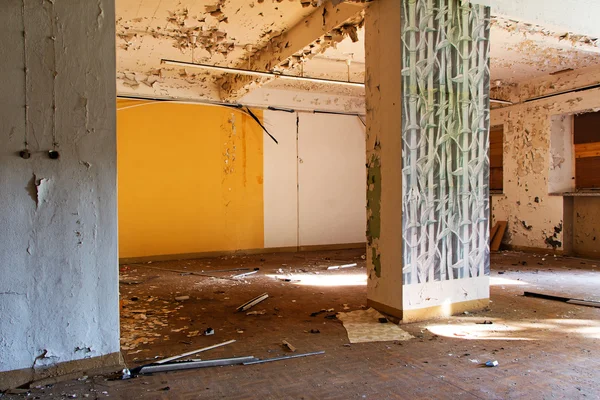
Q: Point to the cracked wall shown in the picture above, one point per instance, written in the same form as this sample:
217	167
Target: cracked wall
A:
58	223
533	167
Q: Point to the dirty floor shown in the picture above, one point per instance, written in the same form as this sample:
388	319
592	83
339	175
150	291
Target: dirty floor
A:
545	349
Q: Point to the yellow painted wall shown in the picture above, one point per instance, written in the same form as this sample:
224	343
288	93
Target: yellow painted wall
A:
189	179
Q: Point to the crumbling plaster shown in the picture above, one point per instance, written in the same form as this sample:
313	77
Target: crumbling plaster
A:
58	223
535	218
235	33
560	15
521	51
304	101
219	32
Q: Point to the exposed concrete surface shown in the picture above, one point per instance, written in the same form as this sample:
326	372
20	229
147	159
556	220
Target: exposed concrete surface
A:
304	100
521	51
545	349
579	16
586	226
533	164
58	223
384	154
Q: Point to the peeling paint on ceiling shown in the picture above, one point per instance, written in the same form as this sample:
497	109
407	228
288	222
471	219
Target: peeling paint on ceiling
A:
228	32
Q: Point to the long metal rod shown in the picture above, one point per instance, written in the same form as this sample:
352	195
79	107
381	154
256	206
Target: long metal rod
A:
251	303
189	353
250	72
501	101
581	302
283	358
245	274
181	271
195	364
237	106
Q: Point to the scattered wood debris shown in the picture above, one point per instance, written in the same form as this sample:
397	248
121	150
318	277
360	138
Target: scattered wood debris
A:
289	346
342	266
251	303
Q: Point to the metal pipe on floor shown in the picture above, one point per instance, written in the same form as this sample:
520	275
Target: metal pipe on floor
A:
196	364
189	353
283	358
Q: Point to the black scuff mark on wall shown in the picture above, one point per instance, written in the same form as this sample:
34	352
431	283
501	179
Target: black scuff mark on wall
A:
552	240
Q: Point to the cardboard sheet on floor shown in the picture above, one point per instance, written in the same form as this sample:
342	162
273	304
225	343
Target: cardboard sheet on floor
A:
364	326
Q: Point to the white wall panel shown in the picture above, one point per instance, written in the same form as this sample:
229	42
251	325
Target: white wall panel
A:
280	183
332	178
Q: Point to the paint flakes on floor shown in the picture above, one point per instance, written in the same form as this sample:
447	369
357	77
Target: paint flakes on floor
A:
365	326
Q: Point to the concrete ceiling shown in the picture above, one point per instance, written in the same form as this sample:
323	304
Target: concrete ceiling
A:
228	32
521	51
217	32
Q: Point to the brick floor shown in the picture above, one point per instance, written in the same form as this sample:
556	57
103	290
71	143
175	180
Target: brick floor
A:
545	349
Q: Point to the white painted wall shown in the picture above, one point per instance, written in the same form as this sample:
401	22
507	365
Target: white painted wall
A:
562	155
58	221
280	196
318	199
331	179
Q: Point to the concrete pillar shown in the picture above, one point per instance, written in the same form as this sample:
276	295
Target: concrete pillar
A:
384	155
58	223
427	94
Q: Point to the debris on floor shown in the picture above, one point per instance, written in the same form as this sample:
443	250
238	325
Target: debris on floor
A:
342	266
284	358
189	353
261	312
491	363
245	274
149	369
581	302
251	303
364	326
287	345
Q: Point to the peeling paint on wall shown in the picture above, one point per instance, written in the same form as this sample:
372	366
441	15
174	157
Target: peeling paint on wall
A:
374	208
533	165
38	190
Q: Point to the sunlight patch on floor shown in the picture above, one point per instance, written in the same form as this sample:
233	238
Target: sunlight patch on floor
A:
324	280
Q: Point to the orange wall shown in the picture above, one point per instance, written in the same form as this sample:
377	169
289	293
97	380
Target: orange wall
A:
189	179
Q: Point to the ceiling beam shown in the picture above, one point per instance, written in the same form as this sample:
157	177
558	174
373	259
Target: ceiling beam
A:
322	21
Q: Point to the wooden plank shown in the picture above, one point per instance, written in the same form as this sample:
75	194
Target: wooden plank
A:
586	150
496	178
496	154
587	173
495	161
586	128
493	231
497	239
